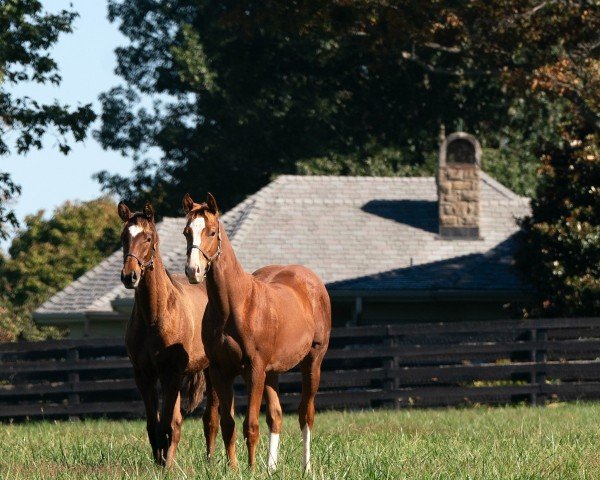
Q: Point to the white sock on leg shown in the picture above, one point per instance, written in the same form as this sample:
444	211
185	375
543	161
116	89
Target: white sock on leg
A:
273	451
306	452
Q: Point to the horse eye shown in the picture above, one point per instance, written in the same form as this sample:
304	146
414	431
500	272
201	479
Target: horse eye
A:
149	239
212	234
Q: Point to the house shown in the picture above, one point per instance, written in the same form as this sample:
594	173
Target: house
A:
389	249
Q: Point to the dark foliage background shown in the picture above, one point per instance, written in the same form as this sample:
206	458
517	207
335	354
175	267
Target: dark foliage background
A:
247	90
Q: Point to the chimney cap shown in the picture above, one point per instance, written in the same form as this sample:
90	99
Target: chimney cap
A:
465	144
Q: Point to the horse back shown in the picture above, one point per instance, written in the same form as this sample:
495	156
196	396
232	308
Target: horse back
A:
301	302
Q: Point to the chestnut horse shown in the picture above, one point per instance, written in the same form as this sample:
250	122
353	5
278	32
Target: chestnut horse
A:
258	326
163	337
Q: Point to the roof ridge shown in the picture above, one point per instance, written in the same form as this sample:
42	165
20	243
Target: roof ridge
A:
250	211
353	177
111	295
241	226
501	189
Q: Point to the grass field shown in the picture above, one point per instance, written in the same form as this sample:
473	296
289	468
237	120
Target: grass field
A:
559	441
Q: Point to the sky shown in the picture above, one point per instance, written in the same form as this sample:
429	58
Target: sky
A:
86	61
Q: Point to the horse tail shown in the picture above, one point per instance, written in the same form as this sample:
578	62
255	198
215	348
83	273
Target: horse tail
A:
195	385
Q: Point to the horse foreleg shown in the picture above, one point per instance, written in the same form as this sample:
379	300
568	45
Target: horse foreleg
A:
311	376
170	420
274	419
255	382
147	386
210	418
223	385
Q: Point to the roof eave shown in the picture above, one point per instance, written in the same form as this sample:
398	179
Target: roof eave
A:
67	318
122	305
59	318
454	295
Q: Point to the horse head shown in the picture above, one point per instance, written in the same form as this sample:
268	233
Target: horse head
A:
140	241
203	235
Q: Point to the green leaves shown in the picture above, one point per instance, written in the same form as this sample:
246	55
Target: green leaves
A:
8	190
250	90
560	247
192	62
47	255
26	35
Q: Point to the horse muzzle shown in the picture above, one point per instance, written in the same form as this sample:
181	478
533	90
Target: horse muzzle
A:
131	279
195	274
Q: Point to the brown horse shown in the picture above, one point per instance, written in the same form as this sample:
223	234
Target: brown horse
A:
163	337
258	326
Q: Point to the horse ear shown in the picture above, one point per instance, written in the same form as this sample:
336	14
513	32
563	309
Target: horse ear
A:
188	203
149	211
212	204
124	211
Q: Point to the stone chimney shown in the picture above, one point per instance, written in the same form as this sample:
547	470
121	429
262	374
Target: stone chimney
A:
458	187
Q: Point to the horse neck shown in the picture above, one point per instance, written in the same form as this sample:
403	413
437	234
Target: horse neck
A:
152	293
227	283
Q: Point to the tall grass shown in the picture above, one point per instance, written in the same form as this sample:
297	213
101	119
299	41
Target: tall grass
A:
560	441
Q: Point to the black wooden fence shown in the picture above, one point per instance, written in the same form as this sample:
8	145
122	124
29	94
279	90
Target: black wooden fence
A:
420	365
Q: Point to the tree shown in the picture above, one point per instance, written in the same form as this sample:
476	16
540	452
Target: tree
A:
560	248
245	90
560	243
26	35
250	89
47	255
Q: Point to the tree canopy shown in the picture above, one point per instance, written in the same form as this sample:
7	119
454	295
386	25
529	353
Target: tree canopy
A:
47	255
27	33
560	253
244	90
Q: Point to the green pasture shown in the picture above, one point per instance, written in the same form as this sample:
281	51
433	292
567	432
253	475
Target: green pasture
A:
558	441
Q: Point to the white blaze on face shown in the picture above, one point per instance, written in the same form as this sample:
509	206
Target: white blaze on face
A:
273	451
193	263
135	230
197	225
306	452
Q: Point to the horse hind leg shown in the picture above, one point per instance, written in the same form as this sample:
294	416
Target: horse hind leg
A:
311	376
210	418
274	418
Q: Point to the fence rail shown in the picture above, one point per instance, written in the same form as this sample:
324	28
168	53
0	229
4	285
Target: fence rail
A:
422	365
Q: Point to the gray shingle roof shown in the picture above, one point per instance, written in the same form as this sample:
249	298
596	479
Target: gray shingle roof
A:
357	233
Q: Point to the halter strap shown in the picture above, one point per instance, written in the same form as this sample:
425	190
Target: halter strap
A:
210	259
149	264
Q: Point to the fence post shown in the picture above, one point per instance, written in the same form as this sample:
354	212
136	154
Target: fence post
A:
533	359
541	358
73	378
391	383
